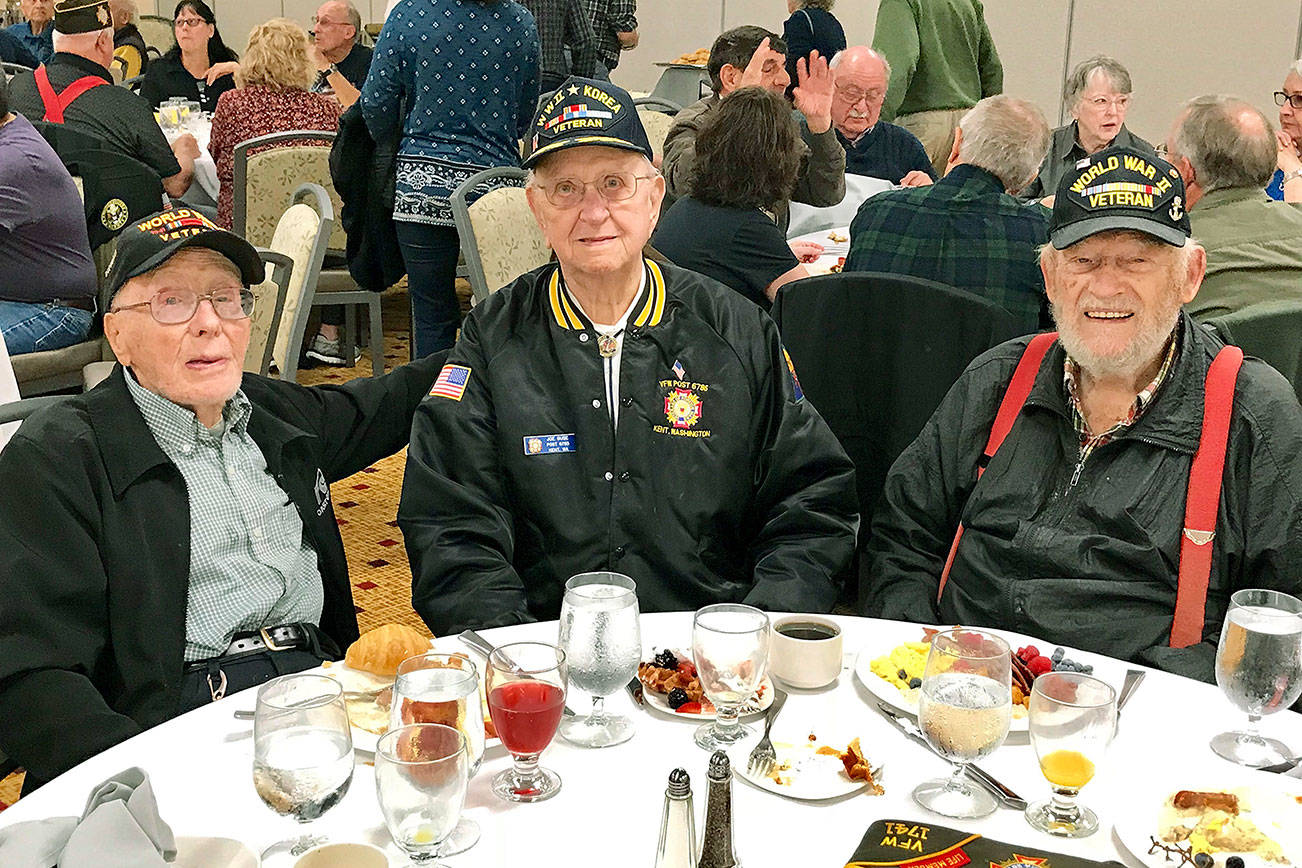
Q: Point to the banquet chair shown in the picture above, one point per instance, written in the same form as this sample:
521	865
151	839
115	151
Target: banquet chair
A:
302	235
1269	330
500	240
9	70
875	354
657	104
266	170
657	125
156	30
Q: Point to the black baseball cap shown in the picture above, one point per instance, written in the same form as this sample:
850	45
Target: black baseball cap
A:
81	16
1119	188
148	243
584	111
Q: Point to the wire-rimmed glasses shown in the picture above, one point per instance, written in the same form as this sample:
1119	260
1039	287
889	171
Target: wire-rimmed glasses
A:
174	306
612	186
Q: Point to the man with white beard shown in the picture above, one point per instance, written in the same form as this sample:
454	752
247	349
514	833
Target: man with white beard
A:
1092	524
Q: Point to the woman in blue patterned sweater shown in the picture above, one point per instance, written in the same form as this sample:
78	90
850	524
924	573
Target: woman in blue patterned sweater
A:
466	74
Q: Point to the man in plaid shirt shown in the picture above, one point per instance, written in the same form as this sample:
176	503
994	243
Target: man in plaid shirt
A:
615	22
564	25
966	230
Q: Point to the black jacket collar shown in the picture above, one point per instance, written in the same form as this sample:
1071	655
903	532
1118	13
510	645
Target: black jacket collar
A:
82	64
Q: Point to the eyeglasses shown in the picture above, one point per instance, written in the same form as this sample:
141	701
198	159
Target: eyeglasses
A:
852	94
325	22
184	23
613	187
1293	99
1120	103
173	306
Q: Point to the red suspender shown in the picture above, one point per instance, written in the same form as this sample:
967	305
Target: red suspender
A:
1204	499
1018	389
56	103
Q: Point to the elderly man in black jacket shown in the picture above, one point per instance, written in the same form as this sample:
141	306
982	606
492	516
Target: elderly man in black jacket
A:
611	413
168	537
1086	527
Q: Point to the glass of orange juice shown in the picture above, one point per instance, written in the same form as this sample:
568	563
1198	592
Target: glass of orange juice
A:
1072	720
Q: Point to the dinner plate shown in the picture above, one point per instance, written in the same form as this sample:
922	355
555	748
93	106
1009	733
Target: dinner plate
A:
893	633
1274	810
800	772
660	702
205	852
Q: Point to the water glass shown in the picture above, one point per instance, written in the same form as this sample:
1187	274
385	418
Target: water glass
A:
1259	669
302	752
421	772
1072	720
964	710
526	695
730	647
602	642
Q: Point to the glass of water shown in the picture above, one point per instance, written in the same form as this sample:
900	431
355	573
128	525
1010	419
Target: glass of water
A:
302	752
730	647
1072	720
1259	669
965	707
421	772
603	644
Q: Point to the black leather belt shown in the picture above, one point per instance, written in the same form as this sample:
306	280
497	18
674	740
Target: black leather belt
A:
86	304
286	637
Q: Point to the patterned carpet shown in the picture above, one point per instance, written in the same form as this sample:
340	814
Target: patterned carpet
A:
366	504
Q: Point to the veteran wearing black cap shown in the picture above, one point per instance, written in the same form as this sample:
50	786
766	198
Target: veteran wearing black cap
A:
607	412
1092	526
76	88
168	537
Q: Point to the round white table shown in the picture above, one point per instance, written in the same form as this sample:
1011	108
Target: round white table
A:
609	808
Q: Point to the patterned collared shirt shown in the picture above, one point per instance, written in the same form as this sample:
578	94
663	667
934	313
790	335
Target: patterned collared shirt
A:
564	24
1088	441
249	564
608	18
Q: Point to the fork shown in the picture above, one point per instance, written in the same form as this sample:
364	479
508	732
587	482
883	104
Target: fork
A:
763	756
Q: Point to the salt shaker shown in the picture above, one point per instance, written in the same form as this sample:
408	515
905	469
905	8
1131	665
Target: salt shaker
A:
677	847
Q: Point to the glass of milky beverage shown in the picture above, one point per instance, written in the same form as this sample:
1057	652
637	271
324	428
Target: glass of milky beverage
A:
964	709
1072	720
602	641
1259	668
302	753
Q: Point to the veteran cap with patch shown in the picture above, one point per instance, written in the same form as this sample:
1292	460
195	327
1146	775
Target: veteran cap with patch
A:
1119	188
148	243
81	16
586	112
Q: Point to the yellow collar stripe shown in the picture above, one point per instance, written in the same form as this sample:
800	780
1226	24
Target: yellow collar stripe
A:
575	322
654	308
554	293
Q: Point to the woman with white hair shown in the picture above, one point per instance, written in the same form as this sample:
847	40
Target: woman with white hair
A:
1287	181
1098	91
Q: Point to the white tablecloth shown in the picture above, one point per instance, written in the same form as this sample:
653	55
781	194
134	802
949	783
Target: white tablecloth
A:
608	811
836	246
8	391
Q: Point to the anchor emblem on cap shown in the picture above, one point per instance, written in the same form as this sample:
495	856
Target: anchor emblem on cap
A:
1177	209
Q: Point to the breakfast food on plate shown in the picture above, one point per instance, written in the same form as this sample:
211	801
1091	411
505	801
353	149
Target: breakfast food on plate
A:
699	57
379	651
676	679
837	237
857	768
1220	822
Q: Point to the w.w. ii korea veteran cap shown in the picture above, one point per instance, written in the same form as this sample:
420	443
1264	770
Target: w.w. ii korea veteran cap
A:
586	112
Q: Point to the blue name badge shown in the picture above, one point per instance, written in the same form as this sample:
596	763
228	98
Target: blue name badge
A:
549	444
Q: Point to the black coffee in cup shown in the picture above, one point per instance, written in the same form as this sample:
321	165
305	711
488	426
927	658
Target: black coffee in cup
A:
809	630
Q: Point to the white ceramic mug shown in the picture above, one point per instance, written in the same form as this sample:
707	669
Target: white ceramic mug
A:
805	650
347	855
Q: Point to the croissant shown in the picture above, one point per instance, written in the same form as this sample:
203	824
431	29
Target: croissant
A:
379	651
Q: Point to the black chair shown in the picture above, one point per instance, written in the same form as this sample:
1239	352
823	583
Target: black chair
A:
1269	330
875	354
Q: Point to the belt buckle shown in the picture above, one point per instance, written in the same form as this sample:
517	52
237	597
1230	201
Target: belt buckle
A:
270	643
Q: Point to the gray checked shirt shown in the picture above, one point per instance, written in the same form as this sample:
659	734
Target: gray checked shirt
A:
249	564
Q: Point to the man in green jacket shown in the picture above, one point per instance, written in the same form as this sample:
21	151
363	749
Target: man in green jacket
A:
942	62
1224	149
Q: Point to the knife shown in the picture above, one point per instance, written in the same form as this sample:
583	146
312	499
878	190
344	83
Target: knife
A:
975	772
1129	686
634	688
483	646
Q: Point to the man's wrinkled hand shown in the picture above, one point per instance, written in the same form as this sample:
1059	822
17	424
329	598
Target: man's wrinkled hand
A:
627	39
185	145
806	251
916	178
813	93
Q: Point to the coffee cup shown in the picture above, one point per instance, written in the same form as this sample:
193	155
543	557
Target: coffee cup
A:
350	855
805	650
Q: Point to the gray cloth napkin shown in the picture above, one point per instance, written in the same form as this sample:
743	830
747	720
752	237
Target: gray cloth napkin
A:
120	828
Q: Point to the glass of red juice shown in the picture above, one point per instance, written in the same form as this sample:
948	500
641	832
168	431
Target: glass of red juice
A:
526	694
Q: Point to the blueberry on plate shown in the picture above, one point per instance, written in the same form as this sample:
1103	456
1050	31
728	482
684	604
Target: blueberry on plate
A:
1203	860
677	697
1234	862
915	682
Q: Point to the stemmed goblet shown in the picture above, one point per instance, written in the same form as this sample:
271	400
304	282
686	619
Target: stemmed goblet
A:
1072	720
302	752
602	643
730	647
964	709
526	696
421	772
1259	669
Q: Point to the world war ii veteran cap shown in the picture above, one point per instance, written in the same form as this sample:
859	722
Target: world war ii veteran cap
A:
148	243
586	112
81	16
1119	188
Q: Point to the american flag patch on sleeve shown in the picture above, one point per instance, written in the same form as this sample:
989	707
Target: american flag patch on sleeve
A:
451	382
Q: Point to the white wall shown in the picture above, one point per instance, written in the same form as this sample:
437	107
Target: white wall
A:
1175	49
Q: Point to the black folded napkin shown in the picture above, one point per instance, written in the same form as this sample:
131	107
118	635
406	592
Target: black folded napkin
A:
921	845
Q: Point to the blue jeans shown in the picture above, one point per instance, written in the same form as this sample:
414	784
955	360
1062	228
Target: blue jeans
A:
31	328
430	254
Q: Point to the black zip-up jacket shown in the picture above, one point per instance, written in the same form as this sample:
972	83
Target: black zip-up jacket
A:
95	550
1086	555
721	483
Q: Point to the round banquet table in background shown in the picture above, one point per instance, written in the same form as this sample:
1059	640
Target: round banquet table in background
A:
609	807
